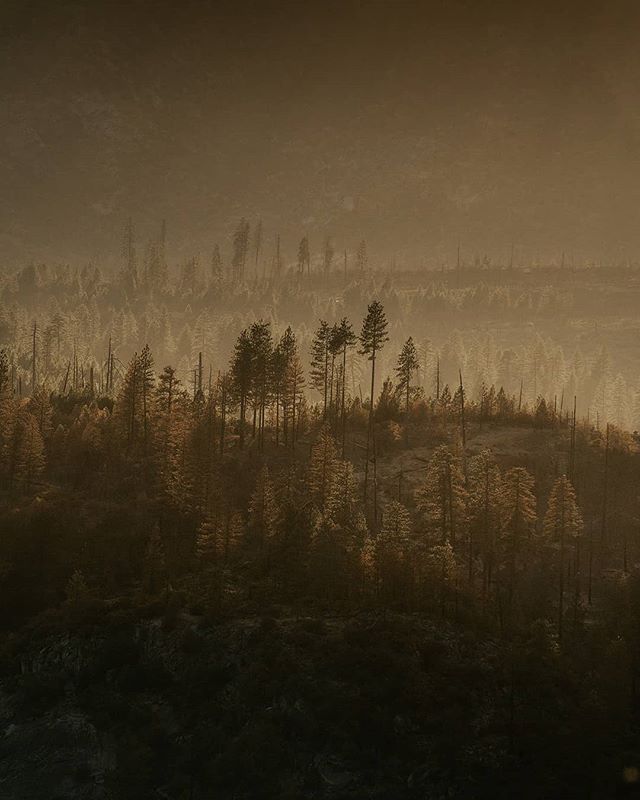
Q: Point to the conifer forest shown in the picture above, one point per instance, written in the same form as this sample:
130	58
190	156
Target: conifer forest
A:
319	433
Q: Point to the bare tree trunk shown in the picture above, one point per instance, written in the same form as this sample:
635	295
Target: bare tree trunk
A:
605	501
370	426
344	380
33	361
223	416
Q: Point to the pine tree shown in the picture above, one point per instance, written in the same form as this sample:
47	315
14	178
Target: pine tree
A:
264	510
324	455
40	406
396	526
241	373
261	347
189	276
372	339
240	248
133	404
408	364
129	256
58	327
442	498
320	363
216	266
362	260
346	339
295	382
155	269
392	547
5	379
339	525
344	507
445	400
234	533
277	373
562	526
368	561
25	460
335	348
440	573
170	416
327	257
518	513
304	256
224	391
167	390
8	416
199	460
484	506
283	367
208	542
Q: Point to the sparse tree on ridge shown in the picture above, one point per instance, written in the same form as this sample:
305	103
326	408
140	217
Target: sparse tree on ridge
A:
345	339
320	363
240	371
407	366
372	339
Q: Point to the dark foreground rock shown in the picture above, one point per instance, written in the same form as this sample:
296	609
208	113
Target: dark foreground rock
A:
288	707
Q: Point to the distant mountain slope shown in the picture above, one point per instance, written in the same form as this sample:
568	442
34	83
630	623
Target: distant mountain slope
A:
413	128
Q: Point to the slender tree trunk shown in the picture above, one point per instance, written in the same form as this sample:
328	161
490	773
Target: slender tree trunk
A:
605	499
33	361
331	387
344	381
243	411
370	426
132	420
293	414
451	520
462	420
326	380
561	586
375	478
223	417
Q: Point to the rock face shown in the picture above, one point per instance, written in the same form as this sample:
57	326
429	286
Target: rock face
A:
364	707
58	755
50	747
248	708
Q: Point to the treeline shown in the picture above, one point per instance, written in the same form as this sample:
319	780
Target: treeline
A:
71	332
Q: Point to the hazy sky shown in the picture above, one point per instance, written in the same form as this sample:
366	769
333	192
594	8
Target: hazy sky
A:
410	124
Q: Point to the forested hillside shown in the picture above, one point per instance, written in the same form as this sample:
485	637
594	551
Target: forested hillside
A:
255	582
319	400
